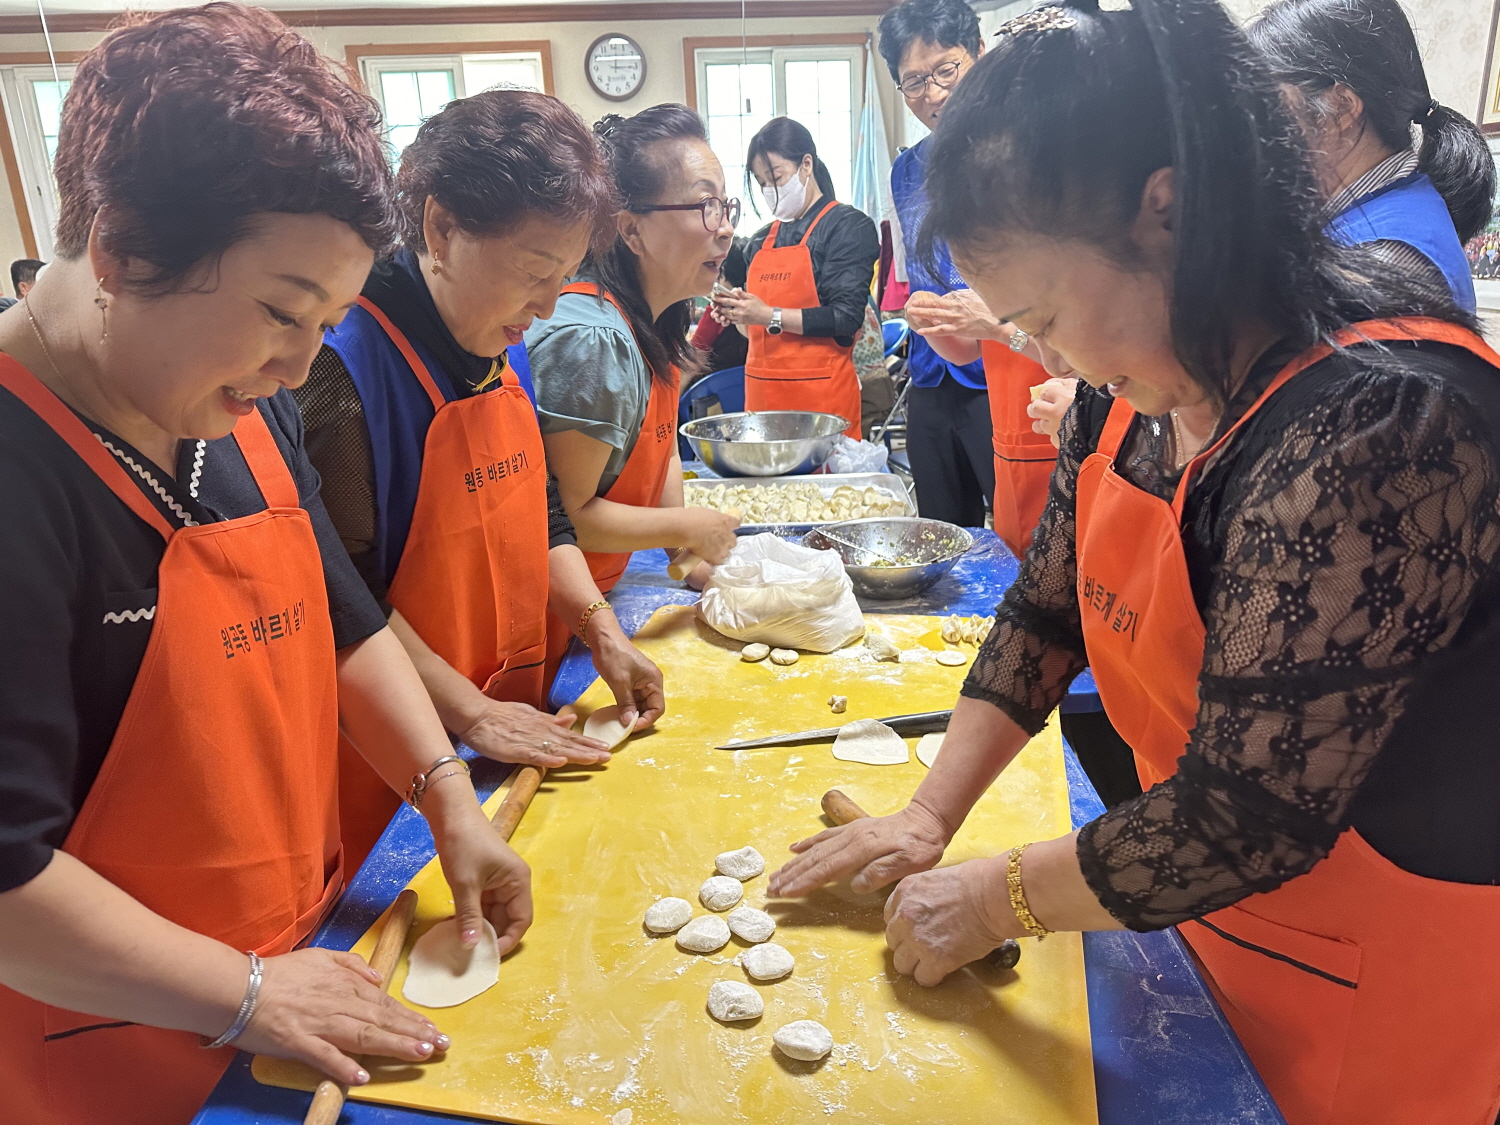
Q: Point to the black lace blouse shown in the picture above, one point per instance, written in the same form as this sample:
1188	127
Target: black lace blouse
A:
1343	555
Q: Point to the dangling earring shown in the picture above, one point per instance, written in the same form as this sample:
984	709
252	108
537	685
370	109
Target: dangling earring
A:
102	304
435	261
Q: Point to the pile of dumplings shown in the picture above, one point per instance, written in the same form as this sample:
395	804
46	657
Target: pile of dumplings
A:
966	630
796	503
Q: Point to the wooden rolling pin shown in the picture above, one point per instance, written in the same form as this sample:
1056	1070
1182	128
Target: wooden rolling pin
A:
841	810
328	1099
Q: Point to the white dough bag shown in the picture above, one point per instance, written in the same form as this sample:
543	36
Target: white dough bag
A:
782	594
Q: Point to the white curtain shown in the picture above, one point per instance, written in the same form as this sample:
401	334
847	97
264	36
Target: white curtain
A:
871	191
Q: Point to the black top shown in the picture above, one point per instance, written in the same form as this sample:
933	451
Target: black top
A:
1343	556
844	249
77	570
338	440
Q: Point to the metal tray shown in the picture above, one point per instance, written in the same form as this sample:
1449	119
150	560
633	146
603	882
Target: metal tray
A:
826	483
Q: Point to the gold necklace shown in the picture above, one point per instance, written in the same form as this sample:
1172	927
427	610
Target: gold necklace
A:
40	339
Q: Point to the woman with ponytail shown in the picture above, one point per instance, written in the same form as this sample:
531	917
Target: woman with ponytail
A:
1274	536
1354	77
808	277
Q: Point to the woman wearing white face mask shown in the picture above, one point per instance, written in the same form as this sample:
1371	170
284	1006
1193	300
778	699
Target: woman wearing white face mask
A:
808	279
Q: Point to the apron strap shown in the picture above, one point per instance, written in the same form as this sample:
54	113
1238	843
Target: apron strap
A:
832	203
68	426
770	242
267	465
409	353
1116	425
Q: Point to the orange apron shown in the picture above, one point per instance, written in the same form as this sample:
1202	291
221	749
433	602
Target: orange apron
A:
792	372
1024	459
639	484
1366	995
472	580
216	804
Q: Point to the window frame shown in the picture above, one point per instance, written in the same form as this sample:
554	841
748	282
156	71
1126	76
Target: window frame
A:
27	166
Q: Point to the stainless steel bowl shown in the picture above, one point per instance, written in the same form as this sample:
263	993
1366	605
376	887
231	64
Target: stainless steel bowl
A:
928	547
767	443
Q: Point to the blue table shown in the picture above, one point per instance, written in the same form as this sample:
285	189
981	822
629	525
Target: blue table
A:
1163	1051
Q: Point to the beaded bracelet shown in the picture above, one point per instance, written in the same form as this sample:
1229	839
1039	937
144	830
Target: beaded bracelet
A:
1018	895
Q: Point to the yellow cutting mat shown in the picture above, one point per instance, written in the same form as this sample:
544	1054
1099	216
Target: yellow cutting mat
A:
595	1021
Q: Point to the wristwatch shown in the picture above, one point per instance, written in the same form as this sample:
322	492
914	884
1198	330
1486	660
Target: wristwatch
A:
774	328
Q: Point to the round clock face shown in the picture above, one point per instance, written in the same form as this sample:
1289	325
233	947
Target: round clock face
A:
616	66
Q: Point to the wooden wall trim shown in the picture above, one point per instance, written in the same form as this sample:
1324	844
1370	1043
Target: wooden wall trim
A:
1487	83
510	13
356	51
691	46
17	188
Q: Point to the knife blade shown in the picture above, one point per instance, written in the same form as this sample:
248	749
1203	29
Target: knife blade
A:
924	722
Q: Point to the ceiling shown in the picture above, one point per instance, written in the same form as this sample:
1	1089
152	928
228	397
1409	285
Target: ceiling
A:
64	7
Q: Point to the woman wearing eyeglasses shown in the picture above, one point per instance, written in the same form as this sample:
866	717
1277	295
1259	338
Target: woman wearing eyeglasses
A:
606	365
807	282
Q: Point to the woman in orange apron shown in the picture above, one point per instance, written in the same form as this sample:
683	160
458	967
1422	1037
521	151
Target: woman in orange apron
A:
427	442
185	635
807	282
1279	551
606	364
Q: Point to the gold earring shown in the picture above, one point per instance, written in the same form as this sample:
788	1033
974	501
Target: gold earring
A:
102	304
435	261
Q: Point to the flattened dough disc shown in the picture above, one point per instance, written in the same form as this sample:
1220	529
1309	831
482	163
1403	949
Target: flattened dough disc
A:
870	741
604	724
927	748
443	973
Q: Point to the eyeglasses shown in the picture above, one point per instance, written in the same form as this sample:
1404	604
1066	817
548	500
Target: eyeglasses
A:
713	209
943	77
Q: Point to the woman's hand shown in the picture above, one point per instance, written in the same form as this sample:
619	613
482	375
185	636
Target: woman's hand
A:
630	674
939	921
737	306
959	313
710	534
1050	405
320	1006
875	851
487	878
515	732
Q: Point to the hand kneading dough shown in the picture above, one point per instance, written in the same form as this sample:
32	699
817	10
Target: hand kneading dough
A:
749	924
668	914
767	962
927	748
443	973
720	892
604	724
704	935
804	1040
753	652
732	1000
743	864
870	741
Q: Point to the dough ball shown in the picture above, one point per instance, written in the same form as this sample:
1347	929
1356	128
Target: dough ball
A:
804	1040
783	656
733	1000
767	961
706	934
838	704
753	652
749	924
667	915
927	748
604	724
952	659
720	892
870	741
742	865
881	647
442	973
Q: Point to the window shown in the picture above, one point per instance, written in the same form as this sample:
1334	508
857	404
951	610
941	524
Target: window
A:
412	87
33	103
739	90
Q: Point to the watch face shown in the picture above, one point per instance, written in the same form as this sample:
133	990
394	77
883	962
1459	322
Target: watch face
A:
616	66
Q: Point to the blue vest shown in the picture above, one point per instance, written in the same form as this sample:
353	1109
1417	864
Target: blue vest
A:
1411	211
397	413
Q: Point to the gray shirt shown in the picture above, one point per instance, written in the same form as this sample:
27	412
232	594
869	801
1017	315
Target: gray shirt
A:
590	377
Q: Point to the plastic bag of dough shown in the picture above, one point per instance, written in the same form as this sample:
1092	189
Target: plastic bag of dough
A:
782	594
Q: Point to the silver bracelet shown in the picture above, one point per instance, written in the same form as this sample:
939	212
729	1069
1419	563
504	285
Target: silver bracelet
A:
421	782
247	1008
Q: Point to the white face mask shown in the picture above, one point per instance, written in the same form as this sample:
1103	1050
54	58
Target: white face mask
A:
790	199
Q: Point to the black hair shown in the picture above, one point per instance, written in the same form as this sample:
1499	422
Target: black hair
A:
24	270
1056	130
1368	46
943	23
640	151
789	140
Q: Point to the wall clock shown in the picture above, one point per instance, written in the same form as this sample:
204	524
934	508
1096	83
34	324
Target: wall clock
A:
616	67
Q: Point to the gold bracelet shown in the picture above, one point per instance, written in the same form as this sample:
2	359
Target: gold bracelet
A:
583	622
1018	895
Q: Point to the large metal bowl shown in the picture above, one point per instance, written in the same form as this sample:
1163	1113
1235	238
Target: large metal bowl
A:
929	547
766	443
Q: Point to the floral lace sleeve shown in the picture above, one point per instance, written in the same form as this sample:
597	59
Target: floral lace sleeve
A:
1344	538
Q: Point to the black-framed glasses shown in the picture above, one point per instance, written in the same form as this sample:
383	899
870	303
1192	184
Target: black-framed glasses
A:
713	209
943	77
